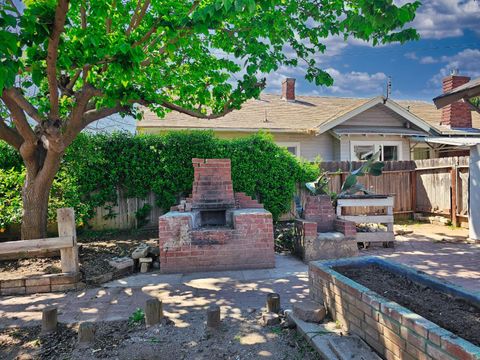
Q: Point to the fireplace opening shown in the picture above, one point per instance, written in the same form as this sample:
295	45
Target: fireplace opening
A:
213	217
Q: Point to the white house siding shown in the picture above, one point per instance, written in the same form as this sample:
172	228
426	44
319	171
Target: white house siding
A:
311	146
345	142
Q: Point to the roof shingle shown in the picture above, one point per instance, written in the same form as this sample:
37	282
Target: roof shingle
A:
274	114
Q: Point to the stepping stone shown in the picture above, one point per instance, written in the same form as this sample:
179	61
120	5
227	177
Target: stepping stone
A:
140	252
329	341
270	319
309	311
121	263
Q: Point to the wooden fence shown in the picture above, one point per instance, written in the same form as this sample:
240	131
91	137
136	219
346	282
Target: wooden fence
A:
123	214
433	186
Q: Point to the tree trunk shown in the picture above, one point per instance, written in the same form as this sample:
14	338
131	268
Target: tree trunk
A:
35	195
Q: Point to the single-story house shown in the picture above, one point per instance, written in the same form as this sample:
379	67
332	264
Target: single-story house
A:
336	128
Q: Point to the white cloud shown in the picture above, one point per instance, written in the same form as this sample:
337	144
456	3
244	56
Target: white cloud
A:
428	60
466	62
411	56
439	19
356	83
352	83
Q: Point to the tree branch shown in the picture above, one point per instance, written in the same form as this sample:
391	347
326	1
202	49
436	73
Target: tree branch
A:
73	80
52	55
197	114
133	20
94	115
10	135
146	36
108	21
16	95
139	19
83	15
19	118
75	123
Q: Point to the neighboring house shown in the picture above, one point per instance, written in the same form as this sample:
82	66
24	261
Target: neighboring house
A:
335	128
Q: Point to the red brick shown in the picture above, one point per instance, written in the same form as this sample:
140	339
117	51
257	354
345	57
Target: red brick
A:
37	289
455	350
412	338
393	337
437	354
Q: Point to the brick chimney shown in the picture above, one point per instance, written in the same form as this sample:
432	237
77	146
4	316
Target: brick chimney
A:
458	114
288	89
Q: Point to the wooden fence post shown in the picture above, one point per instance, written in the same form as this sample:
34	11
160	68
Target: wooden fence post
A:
453	207
66	227
413	187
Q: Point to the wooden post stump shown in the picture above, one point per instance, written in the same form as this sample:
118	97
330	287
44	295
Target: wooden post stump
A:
153	312
86	334
273	303
213	317
49	319
66	227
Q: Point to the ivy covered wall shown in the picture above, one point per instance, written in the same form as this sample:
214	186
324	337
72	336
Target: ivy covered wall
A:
96	165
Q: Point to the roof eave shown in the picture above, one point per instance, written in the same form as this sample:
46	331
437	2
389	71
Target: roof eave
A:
247	130
341	119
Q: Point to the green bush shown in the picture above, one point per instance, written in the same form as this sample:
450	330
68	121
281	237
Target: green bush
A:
11	181
95	166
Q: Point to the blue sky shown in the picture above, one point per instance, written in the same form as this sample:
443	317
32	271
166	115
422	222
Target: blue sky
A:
450	39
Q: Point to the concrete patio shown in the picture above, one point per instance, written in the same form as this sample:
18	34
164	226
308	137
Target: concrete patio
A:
234	291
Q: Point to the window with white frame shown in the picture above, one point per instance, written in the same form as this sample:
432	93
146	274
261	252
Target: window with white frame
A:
364	150
292	147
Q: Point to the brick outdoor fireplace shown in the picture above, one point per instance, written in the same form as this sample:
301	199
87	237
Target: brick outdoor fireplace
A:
215	229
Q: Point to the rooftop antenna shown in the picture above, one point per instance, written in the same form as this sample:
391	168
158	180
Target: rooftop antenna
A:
389	87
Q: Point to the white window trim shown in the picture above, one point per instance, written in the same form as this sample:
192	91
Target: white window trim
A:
286	144
377	145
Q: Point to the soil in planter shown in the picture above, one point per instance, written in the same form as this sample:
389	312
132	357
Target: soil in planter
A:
453	314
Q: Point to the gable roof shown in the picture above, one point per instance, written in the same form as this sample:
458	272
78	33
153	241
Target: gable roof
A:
308	114
370	104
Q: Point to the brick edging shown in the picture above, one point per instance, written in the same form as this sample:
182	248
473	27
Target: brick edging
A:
41	284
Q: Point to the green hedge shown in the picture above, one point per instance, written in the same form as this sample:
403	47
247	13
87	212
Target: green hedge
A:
95	165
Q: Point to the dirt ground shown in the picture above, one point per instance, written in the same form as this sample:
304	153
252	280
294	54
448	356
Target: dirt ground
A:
240	337
456	315
95	249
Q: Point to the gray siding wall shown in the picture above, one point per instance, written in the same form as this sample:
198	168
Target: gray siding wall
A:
311	146
379	115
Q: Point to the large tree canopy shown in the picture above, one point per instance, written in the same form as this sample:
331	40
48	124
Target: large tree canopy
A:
66	64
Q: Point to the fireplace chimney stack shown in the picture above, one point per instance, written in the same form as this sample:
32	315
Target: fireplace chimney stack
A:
288	89
458	114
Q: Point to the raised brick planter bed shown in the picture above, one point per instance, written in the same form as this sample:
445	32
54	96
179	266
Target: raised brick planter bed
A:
41	284
393	331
